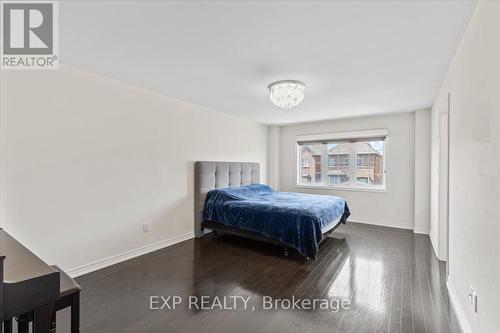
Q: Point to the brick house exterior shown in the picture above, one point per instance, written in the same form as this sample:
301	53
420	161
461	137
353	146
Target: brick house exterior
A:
368	164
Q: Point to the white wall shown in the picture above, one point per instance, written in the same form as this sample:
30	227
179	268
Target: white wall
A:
394	207
422	170
273	161
474	219
86	160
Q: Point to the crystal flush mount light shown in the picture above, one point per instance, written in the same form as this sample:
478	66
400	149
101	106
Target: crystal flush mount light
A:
287	94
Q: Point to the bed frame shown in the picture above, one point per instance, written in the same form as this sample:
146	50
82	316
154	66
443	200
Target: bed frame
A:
210	175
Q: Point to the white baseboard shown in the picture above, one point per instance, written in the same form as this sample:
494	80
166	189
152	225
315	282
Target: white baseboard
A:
102	263
383	223
457	307
434	246
421	230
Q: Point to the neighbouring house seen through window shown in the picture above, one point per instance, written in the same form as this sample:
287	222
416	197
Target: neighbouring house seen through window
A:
329	163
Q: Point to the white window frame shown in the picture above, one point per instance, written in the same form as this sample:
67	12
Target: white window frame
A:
339	137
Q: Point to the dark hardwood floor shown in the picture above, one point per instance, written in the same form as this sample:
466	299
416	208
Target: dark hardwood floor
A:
391	276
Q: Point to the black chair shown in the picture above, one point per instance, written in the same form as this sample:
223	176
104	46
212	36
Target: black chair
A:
69	295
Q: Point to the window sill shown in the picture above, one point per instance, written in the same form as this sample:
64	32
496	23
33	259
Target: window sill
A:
342	188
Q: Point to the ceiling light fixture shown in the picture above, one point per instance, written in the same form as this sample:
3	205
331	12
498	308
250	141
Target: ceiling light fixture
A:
287	94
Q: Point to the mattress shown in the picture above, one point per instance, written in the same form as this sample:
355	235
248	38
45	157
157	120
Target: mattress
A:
296	219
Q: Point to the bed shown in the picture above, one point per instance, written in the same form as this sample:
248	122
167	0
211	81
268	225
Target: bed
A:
229	198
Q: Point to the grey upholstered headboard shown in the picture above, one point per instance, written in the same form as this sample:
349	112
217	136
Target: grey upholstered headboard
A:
209	175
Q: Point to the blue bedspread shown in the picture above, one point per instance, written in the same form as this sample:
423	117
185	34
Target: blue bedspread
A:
295	219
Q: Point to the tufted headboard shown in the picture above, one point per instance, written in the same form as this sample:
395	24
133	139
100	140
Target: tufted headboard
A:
209	175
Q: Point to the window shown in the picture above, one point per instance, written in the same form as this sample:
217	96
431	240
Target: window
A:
329	163
339	173
337	179
362	180
310	164
370	165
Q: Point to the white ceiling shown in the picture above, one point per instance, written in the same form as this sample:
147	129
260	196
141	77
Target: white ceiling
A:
357	58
